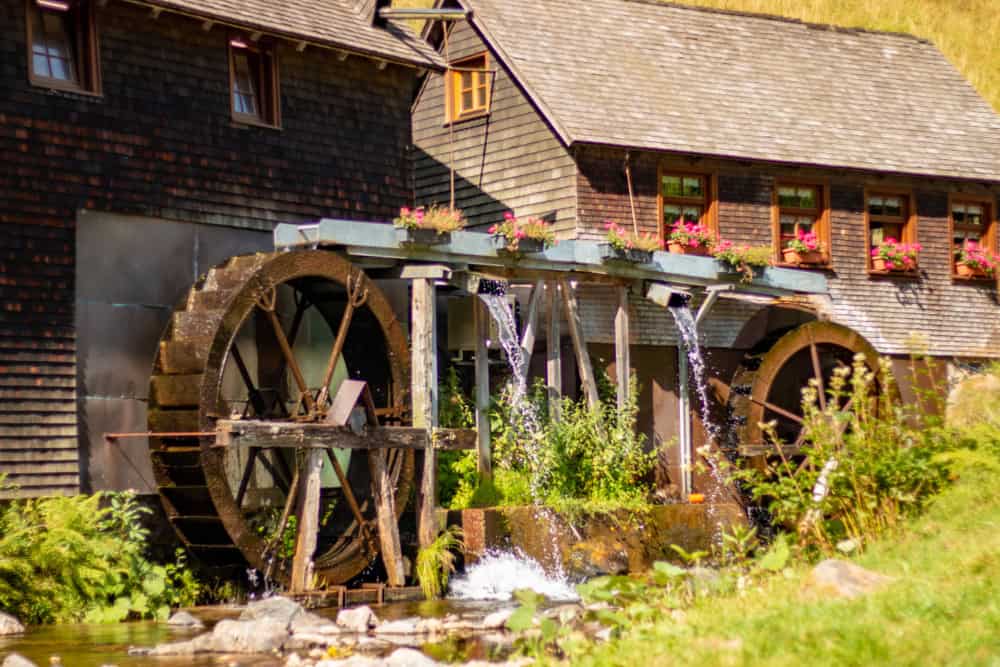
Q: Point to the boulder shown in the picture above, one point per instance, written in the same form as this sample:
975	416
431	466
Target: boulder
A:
183	619
497	620
408	657
358	619
597	557
275	609
229	636
17	660
10	626
405	626
842	579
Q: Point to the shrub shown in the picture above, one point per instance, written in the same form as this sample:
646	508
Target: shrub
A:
439	218
743	259
436	562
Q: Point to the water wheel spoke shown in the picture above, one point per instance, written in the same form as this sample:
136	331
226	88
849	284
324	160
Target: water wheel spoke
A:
357	294
247	473
779	410
267	304
345	486
285	512
818	374
256	399
278	478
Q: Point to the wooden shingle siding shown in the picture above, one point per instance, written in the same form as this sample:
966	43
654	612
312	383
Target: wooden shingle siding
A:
508	160
160	143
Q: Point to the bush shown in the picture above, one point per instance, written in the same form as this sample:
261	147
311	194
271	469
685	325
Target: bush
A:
83	558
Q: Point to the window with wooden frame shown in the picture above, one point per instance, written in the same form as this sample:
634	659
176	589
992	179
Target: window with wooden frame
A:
687	194
889	215
468	89
253	82
971	219
799	209
62	43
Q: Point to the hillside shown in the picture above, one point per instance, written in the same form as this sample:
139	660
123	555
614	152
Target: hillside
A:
960	28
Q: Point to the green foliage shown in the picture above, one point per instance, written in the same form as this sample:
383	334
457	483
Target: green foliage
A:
83	557
436	562
743	259
868	462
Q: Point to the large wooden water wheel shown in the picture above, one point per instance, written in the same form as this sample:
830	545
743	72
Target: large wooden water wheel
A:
269	338
768	384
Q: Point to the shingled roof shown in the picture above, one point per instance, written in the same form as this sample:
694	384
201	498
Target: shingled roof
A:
644	74
344	24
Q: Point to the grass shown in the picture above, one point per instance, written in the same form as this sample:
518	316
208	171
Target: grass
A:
944	607
964	30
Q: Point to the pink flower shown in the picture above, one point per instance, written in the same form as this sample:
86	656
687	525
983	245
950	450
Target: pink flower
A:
404	211
493	229
508	216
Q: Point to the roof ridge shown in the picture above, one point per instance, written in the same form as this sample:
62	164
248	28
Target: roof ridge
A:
832	27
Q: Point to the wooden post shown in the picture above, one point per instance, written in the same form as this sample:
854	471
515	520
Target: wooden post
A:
553	352
579	345
622	361
308	513
482	322
388	530
531	324
423	346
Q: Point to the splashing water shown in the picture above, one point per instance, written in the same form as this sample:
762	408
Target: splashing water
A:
497	575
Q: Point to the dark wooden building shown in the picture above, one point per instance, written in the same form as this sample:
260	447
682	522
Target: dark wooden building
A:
142	143
754	125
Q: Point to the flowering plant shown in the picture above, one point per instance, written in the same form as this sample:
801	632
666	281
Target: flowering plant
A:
691	234
514	230
742	258
897	256
621	239
977	257
804	242
439	218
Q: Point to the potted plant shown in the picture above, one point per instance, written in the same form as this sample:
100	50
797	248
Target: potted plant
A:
892	256
690	238
625	246
805	248
430	226
742	259
518	237
973	260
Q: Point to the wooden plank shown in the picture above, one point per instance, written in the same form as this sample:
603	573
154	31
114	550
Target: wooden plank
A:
33	455
250	433
553	351
482	377
586	370
176	390
622	356
423	345
310	484
388	529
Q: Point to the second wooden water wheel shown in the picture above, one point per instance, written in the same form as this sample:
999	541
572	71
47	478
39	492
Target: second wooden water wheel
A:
270	338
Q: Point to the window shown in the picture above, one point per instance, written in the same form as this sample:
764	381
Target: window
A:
469	83
889	215
972	219
801	209
62	38
253	75
686	194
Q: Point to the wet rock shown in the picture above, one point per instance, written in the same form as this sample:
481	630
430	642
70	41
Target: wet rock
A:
228	636
353	661
358	619
10	625
183	619
276	610
372	646
565	613
405	626
408	657
497	620
309	630
595	558
430	626
841	579
293	660
17	660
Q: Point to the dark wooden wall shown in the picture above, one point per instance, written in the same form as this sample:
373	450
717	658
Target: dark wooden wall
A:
509	160
160	143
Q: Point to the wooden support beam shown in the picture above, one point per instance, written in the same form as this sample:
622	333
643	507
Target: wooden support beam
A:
388	530
423	346
531	323
295	435
553	352
482	372
308	513
622	357
586	370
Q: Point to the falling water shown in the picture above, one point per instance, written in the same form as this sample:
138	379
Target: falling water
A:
497	575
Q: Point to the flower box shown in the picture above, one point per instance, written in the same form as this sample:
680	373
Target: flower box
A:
966	271
811	257
610	253
525	246
681	249
880	265
421	237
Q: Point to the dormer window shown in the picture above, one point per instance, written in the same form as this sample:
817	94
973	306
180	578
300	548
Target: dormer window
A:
253	75
469	82
63	40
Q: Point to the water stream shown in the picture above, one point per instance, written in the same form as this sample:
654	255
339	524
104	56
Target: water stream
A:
498	574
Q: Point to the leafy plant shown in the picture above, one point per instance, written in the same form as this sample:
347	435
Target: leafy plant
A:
439	218
691	234
621	239
897	256
513	230
977	257
436	562
744	259
804	242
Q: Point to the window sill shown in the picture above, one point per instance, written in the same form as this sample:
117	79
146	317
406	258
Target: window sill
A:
59	86
467	117
979	280
901	275
248	122
822	266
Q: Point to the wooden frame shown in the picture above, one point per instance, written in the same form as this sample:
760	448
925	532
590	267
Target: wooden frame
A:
822	226
478	66
86	57
710	202
990	229
908	220
268	82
